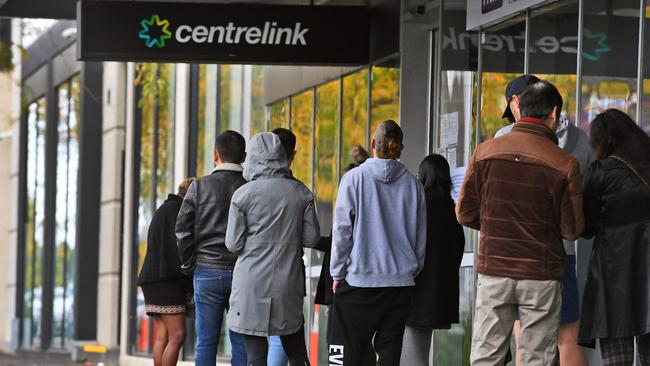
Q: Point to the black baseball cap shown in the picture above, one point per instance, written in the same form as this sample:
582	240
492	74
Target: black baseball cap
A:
516	87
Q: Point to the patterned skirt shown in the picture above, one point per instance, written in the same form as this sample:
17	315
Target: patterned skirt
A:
166	297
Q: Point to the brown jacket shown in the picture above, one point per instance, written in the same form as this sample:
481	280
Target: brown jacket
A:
524	193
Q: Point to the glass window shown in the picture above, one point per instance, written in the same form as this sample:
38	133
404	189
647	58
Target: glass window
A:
155	121
257	100
452	347
207	118
503	60
301	125
231	107
385	93
645	119
66	205
278	115
554	42
34	222
354	129
609	58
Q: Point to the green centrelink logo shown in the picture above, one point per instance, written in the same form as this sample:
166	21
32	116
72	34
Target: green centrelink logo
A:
163	32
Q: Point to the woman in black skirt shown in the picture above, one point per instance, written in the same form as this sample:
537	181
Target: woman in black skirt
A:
165	288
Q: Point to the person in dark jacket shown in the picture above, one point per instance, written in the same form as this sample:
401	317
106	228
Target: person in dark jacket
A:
201	234
435	302
164	287
616	303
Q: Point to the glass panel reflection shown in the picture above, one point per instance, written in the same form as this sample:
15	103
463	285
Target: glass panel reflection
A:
354	129
278	115
207	122
301	125
385	95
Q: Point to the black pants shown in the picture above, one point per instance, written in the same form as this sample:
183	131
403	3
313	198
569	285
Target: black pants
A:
257	349
359	314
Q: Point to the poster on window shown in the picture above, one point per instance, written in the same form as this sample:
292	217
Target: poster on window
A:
449	128
457	178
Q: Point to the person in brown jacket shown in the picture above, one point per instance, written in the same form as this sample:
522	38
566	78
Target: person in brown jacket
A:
524	194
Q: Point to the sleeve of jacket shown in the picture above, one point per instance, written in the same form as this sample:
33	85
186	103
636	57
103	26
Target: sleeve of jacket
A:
237	226
468	206
310	227
421	234
342	230
571	215
591	201
185	222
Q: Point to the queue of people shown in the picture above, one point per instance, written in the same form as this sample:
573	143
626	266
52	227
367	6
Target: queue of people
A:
391	269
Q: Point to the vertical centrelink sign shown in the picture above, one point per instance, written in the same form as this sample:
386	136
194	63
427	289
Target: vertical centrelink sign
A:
222	33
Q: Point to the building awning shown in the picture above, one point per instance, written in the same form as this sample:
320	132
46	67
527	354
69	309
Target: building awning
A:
54	9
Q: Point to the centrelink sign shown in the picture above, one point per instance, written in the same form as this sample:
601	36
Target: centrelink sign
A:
222	33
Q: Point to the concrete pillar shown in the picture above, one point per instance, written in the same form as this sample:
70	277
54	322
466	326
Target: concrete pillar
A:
110	239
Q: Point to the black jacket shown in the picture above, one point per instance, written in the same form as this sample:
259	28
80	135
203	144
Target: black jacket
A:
435	303
162	262
616	300
203	219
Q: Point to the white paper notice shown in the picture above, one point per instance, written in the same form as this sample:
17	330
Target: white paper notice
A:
451	156
457	178
449	128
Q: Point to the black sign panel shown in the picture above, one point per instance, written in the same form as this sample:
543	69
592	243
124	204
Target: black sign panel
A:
223	33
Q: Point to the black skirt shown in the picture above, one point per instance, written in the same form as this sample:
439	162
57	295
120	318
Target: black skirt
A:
166	297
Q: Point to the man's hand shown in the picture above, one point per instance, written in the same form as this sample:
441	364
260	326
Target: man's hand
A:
336	284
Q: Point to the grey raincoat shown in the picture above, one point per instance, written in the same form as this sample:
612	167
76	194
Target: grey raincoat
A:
271	218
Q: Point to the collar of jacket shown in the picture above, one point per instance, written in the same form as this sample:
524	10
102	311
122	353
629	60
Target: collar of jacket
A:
535	128
229	166
174	197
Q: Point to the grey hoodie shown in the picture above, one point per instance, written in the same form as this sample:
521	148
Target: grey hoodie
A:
380	226
271	218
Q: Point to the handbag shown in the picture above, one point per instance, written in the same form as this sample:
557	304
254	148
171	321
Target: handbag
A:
629	166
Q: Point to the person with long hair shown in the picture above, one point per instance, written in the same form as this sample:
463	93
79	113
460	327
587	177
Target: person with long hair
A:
164	286
435	302
616	303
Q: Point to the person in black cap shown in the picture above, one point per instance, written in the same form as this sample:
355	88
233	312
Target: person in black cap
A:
513	90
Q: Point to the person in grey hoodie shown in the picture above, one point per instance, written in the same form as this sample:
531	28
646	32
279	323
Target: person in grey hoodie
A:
271	218
378	247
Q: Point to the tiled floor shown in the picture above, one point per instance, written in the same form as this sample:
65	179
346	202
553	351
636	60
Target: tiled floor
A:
36	359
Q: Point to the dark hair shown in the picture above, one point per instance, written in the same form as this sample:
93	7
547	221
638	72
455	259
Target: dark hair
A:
539	99
231	147
287	139
435	176
388	140
615	133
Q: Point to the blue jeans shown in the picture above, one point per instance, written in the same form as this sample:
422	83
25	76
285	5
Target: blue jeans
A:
276	356
211	294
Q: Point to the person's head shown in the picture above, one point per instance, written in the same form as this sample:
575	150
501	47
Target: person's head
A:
513	90
542	101
229	147
435	176
288	140
359	154
184	186
387	141
615	133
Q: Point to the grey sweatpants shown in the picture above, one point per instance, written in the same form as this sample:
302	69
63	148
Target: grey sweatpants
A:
416	347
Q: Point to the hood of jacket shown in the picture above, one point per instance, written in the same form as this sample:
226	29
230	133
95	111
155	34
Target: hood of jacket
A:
266	158
384	170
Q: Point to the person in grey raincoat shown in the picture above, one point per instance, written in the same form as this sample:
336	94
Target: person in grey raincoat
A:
271	218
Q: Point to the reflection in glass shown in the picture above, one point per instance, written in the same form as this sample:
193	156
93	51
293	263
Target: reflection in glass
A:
34	224
156	124
354	129
301	125
609	58
232	82
65	216
384	96
278	115
207	118
452	347
257	100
